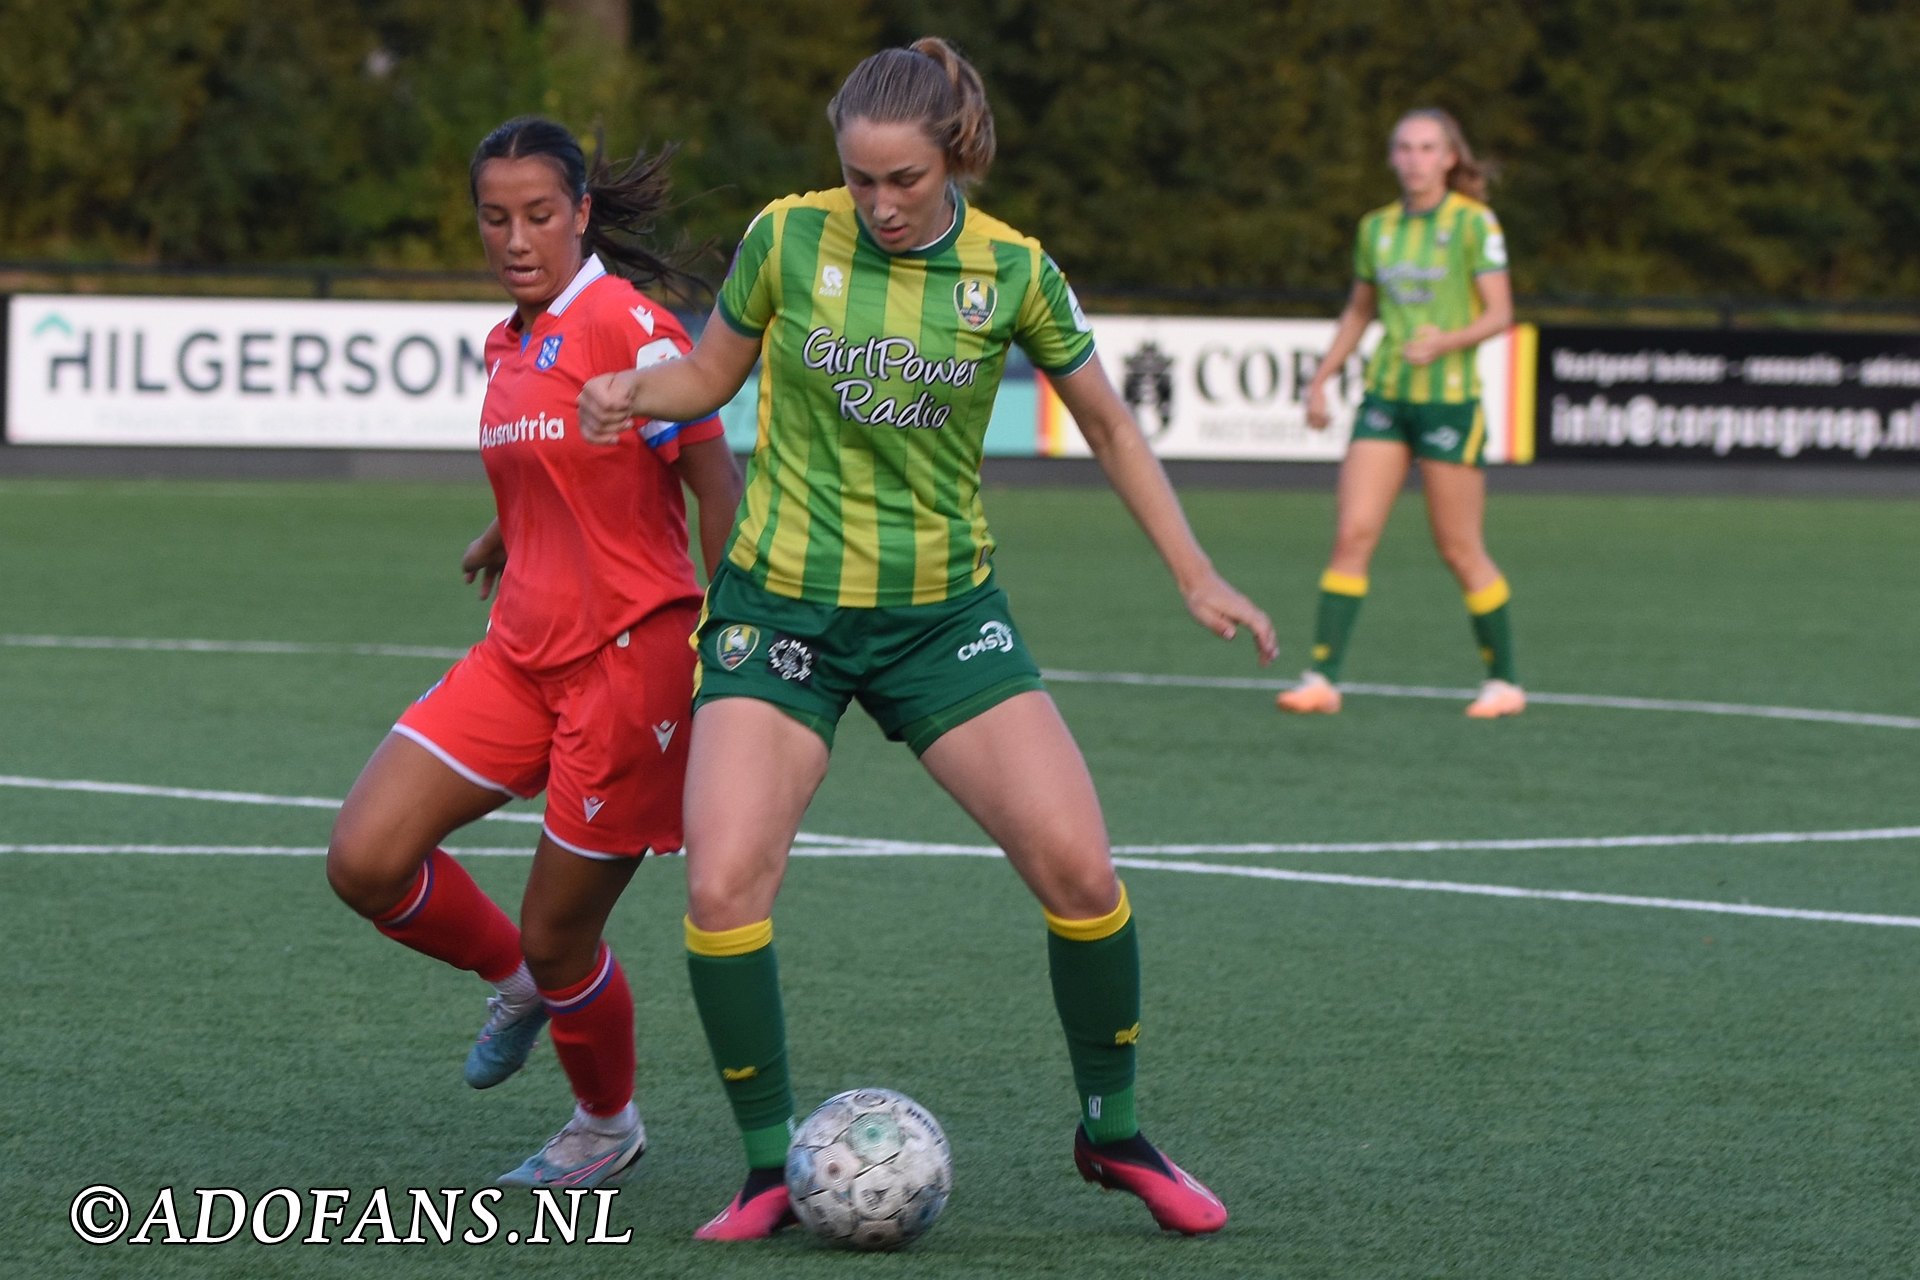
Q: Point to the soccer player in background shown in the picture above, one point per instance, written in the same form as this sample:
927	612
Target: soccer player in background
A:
1433	267
583	683
860	569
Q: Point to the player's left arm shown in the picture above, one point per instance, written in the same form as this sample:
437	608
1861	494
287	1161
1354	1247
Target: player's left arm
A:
486	558
1137	476
707	468
1496	317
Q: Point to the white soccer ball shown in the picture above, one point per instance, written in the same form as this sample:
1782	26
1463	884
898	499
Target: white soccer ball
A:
869	1169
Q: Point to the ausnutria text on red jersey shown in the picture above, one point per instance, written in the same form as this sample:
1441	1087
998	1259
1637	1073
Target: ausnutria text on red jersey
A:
544	427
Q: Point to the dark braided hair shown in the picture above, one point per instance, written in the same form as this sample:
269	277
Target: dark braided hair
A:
627	199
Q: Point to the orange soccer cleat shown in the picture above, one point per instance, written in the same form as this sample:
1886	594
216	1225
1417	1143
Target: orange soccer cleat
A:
1313	695
1497	698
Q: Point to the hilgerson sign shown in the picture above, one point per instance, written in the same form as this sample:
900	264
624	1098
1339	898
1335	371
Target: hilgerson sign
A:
178	371
1696	393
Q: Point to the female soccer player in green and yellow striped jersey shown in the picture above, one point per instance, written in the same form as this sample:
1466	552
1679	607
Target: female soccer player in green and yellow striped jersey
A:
860	568
1433	267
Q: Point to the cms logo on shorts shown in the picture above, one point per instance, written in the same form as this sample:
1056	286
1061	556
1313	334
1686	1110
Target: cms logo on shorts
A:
1441	438
993	635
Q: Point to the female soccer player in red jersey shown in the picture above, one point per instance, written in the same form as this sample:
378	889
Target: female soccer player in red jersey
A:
1433	267
861	569
583	683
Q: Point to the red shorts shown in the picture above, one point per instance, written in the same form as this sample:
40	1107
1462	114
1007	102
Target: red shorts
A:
606	738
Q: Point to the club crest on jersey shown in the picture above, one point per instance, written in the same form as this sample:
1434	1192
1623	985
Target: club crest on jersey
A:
549	352
735	644
975	299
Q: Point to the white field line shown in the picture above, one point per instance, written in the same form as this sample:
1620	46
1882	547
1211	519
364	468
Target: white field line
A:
1139	864
227	850
294	648
1511	891
29	488
1414	846
194	793
875	846
1863	718
282	648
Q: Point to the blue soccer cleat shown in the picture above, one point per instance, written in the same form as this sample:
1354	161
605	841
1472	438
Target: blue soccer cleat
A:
503	1044
578	1156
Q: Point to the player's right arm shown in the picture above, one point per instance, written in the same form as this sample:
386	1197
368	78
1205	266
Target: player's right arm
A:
699	382
683	390
1362	306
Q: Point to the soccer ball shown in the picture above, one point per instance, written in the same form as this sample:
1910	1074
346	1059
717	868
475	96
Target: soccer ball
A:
869	1169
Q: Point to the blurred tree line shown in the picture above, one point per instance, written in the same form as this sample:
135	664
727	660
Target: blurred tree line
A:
1687	147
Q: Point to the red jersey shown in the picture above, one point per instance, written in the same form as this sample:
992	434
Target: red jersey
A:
596	535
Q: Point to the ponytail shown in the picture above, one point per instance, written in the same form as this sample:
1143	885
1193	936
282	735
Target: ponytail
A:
929	84
627	202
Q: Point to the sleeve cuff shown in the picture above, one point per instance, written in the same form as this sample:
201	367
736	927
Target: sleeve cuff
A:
1072	366
738	325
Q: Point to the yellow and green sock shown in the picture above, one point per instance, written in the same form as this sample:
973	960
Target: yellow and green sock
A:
1095	968
1341	595
736	988
1493	628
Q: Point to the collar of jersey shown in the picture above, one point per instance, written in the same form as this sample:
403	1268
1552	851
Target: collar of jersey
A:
1424	213
590	270
941	245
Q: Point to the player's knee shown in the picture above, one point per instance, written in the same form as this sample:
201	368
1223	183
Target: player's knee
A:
350	883
1077	888
1355	543
364	881
727	895
556	955
1083	900
1463	556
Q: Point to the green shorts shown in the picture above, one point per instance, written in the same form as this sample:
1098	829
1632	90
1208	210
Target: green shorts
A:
919	670
1442	432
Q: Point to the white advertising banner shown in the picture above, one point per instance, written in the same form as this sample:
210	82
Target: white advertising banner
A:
1234	389
246	372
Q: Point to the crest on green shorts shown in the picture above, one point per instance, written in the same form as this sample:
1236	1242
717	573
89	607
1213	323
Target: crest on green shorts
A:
735	644
974	299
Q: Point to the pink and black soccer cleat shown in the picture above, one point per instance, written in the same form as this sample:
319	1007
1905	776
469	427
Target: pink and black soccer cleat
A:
1174	1197
760	1209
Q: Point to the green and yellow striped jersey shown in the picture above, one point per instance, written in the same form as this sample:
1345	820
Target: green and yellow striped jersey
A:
877	378
1423	266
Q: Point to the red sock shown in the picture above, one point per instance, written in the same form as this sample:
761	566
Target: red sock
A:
447	916
592	1032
